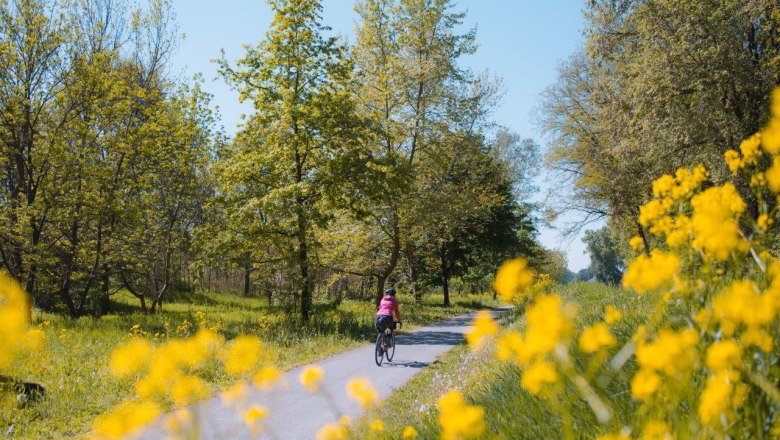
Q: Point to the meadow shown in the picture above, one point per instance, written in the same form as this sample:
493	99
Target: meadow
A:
74	366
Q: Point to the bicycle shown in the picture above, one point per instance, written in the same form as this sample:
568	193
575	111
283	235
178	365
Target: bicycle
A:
385	345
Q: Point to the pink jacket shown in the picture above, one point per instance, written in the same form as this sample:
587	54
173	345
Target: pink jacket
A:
387	306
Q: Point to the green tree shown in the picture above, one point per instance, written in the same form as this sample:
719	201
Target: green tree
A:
605	262
280	173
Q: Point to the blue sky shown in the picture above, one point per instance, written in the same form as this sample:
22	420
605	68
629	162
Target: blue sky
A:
522	41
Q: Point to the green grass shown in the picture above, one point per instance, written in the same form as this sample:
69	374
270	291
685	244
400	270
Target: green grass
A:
74	367
511	412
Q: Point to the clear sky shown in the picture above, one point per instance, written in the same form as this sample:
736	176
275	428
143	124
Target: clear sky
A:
523	41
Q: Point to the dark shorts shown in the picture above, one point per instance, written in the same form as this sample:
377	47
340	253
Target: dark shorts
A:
382	322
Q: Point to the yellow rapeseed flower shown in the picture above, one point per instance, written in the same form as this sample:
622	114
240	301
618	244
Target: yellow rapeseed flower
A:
751	148
512	278
716	398
723	355
755	337
770	135
644	384
636	243
537	375
671	352
311	377
596	337
236	394
657	430
253	418
616	436
188	389
612	315
377	426
14	317
772	175
714	222
243	354
459	420
125	419
482	327
741	303
331	431
733	161
409	433
650	273
266	378
509	346
130	358
549	324
361	390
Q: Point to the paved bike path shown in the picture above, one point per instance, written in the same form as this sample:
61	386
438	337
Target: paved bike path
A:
294	413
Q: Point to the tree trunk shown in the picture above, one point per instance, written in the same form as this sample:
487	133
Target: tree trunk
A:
383	275
247	281
445	277
409	253
303	264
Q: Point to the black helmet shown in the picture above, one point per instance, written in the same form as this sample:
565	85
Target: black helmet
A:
390	291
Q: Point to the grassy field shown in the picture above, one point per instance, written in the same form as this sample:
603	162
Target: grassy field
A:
510	412
74	367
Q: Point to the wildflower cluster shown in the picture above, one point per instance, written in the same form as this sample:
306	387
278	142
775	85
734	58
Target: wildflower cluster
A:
15	335
705	355
170	374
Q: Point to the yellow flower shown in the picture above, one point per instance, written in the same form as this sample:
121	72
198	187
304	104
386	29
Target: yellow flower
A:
656	430
188	389
512	278
537	375
671	352
377	426
716	398
646	274
596	337
714	222
723	355
331	432
482	327
612	315
617	436
763	222
663	185
770	135
242	355
409	433
644	384
125	418
509	346
236	394
751	148
14	317
362	392
266	378
636	243
254	416
311	377
733	160
772	175
130	358
459	420
741	303
756	337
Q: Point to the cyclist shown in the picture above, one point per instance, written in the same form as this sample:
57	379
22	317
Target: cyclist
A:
384	313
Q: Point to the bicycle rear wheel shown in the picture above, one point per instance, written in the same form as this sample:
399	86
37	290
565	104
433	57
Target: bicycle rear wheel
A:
379	351
390	352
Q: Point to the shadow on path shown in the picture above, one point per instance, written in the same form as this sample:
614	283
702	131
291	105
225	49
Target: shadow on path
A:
429	338
406	364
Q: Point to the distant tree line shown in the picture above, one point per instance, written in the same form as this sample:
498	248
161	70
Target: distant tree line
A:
359	165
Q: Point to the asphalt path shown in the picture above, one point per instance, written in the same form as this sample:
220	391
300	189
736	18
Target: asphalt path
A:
295	413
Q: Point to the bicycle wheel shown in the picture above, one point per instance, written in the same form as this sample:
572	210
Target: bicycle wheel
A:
379	352
390	352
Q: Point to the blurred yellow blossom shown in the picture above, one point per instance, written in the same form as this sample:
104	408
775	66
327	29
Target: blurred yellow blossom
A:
409	433
459	420
537	375
266	378
636	243
361	390
670	352
656	430
723	354
512	278
650	273
716	399
509	346
618	436
612	315
130	358
243	354
741	303
14	317
596	337
482	327
311	377
756	337
377	426
714	222
125	419
188	389
253	418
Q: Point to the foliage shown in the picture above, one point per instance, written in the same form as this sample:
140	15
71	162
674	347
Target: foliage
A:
605	262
